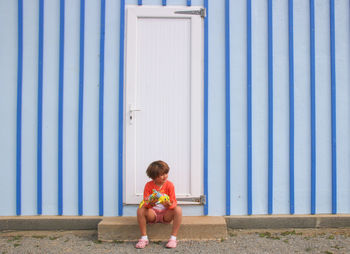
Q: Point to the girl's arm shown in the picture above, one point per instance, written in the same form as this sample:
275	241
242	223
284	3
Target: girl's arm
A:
146	193
173	202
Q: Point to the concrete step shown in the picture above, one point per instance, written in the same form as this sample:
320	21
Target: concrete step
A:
192	228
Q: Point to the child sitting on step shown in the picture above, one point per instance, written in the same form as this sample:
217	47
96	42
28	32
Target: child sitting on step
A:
151	211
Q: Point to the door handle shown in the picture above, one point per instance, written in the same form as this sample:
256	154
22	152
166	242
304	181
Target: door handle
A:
134	109
131	117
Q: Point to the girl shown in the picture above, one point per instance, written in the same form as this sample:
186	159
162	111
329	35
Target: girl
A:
165	212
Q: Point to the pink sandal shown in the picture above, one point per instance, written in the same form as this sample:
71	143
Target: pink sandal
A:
142	244
171	244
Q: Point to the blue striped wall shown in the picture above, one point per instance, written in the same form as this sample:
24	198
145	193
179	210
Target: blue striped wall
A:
277	107
299	160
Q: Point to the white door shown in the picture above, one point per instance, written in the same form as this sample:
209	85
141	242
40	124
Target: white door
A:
163	98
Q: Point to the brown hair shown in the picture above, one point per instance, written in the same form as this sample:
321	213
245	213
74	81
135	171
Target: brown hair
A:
157	168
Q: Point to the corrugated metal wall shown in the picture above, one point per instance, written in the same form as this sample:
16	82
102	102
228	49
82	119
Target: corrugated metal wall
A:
56	69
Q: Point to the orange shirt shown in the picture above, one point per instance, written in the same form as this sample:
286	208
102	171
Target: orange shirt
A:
167	188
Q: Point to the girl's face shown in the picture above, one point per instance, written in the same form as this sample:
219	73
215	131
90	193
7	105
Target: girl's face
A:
160	180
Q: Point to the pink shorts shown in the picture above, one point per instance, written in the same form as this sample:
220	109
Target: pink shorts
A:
159	216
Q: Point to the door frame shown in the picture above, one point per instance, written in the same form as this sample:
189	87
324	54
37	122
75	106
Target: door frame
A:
121	108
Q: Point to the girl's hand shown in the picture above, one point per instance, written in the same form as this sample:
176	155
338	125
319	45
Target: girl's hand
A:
152	203
167	203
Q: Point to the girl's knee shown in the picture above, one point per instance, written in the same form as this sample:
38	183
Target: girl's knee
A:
141	211
178	210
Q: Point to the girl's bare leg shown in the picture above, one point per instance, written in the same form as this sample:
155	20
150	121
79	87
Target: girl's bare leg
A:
143	216
176	215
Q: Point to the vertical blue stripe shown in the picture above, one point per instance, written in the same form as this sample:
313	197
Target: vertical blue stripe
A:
249	105
189	3
228	105
40	107
139	2
121	108
206	84
334	116
164	2
60	110
313	107
101	101
270	88
81	104
19	108
291	108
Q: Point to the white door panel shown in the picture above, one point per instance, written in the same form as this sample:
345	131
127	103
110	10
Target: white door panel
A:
164	98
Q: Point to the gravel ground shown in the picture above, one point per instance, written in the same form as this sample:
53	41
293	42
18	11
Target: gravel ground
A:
325	241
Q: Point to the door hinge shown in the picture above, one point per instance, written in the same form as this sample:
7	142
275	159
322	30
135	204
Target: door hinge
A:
200	12
201	199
